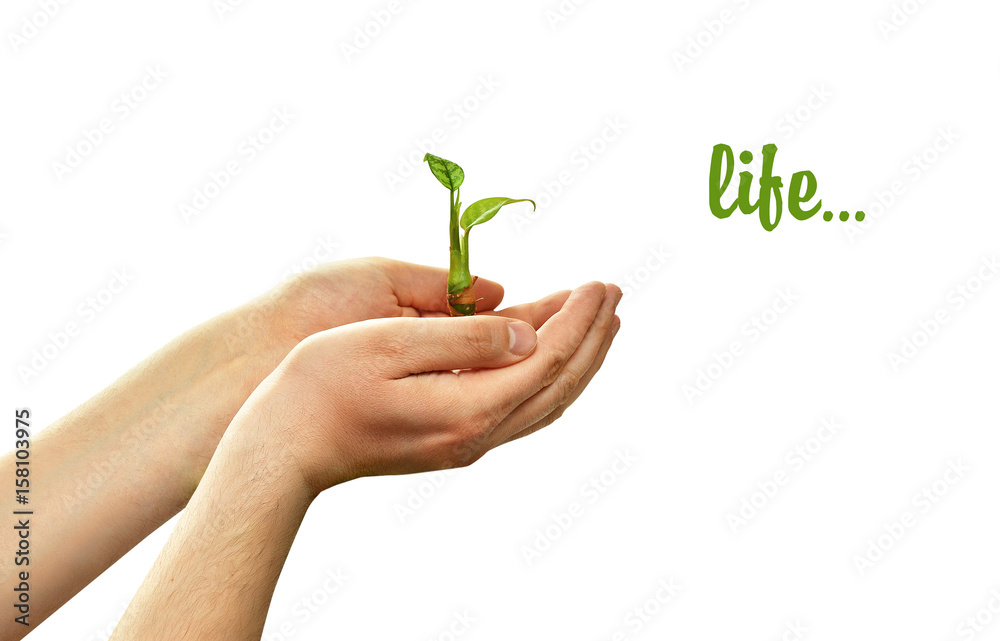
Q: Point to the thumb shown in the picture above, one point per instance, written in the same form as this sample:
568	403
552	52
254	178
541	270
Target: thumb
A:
440	344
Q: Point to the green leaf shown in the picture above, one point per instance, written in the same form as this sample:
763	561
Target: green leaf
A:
483	210
450	174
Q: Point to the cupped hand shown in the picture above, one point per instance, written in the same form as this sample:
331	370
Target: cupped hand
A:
347	291
404	395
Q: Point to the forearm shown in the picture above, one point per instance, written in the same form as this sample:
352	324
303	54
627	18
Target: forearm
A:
215	577
123	463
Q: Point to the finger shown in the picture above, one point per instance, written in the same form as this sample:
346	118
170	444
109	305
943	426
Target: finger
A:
409	346
589	376
425	288
555	395
501	390
535	314
598	362
538	312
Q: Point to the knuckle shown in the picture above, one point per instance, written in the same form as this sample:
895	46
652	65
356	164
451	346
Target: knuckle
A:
385	342
487	416
485	341
478	421
562	388
555	415
565	384
554	368
552	411
547	420
392	346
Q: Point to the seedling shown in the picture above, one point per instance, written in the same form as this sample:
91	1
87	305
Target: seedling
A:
461	300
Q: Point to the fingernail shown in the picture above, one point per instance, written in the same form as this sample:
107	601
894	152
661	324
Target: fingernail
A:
615	328
618	298
522	338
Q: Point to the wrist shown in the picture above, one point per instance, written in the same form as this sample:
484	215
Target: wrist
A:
261	332
277	419
251	456
229	356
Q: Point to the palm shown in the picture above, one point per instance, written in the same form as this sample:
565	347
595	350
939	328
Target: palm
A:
350	291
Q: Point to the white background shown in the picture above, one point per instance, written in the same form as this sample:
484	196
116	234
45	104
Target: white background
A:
322	181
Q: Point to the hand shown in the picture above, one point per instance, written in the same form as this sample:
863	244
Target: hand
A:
348	291
371	397
406	395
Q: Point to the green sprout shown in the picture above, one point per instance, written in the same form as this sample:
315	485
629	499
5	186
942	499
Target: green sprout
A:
461	299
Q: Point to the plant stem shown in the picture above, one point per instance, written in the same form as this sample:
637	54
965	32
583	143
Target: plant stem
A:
459	278
454	220
464	248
